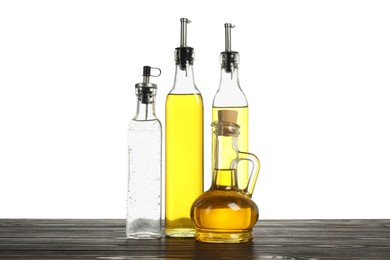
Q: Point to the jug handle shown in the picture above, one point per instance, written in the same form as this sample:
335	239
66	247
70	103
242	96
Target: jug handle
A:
254	172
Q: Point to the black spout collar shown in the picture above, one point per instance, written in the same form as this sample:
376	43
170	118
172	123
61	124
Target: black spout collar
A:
184	54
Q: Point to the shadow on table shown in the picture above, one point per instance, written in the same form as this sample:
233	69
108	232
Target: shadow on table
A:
191	249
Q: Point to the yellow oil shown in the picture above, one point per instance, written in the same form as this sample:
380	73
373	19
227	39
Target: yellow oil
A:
242	120
224	214
184	161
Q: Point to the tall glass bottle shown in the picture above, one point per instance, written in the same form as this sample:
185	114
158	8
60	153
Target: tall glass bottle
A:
230	97
184	143
144	149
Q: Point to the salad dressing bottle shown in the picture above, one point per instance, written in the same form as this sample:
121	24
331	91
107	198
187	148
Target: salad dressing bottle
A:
184	143
144	151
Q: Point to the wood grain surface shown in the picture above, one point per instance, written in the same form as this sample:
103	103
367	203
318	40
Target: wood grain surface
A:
274	239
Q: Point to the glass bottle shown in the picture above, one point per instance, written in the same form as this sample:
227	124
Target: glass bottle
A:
225	213
144	150
184	143
231	97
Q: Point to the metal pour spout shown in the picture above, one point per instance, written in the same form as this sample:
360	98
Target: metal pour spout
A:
228	37
183	31
146	90
184	54
229	58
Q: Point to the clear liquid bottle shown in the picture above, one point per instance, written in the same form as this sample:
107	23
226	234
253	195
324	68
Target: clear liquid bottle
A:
144	150
225	213
231	97
184	143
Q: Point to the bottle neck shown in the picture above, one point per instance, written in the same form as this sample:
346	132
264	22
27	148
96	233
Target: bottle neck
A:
184	80
145	110
229	79
225	171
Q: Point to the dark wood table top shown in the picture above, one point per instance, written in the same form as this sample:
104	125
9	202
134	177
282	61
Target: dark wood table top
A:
274	239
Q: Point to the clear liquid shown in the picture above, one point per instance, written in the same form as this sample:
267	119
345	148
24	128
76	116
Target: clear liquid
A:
184	161
242	120
144	186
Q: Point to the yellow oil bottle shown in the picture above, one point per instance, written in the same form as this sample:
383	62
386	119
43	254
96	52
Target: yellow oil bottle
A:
184	144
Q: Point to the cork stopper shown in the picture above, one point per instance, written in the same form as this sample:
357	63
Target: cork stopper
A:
227	116
227	123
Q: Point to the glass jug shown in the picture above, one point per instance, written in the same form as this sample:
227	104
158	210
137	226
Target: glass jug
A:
225	213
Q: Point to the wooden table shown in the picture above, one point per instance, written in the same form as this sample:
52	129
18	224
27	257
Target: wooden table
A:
274	239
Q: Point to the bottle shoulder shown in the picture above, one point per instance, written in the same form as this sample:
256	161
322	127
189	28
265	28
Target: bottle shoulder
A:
184	91
184	100
219	197
184	82
141	125
233	97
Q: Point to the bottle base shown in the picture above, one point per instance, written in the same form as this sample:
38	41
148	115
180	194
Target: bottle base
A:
212	236
180	232
143	228
143	235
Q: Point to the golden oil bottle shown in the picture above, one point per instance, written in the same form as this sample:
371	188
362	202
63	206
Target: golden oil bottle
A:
184	144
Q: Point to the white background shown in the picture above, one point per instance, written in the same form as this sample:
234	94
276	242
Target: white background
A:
316	75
